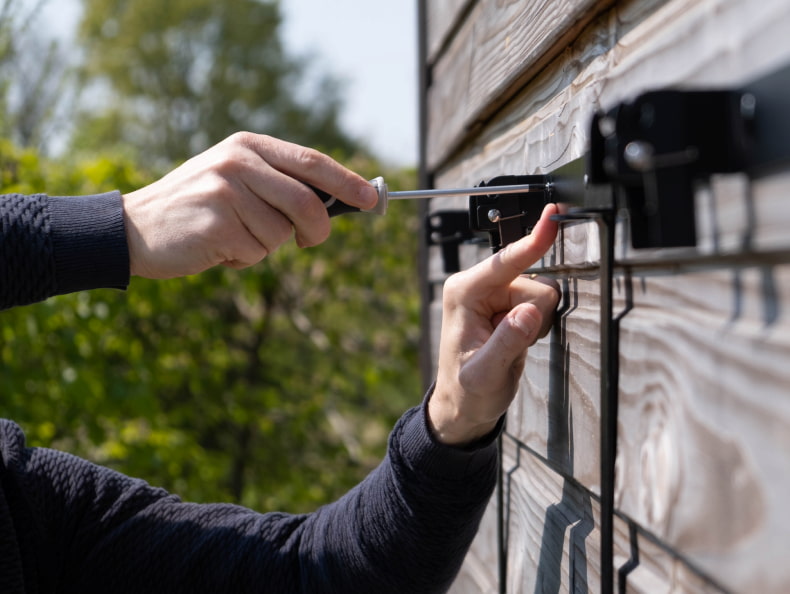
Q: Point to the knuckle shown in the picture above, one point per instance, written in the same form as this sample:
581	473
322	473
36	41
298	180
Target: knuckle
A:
551	295
242	138
453	286
220	183
307	158
228	162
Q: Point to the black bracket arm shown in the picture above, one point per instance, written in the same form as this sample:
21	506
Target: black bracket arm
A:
509	217
448	229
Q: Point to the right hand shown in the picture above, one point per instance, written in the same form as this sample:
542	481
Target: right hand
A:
234	204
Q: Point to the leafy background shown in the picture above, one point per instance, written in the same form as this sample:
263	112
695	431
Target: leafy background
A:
274	387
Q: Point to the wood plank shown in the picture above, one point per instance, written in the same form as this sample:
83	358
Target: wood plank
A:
704	413
553	539
703	422
500	46
698	349
556	412
480	572
654	568
553	544
442	17
545	126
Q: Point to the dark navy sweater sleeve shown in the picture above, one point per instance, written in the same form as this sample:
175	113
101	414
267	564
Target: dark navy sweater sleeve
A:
406	528
51	245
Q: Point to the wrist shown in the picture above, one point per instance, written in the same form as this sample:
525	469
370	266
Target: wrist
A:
450	426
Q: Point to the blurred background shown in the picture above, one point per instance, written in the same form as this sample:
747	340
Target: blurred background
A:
275	387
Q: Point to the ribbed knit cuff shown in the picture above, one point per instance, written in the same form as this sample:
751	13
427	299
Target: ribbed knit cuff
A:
424	452
89	242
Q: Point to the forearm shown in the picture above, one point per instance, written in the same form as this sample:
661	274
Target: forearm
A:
405	528
55	245
408	526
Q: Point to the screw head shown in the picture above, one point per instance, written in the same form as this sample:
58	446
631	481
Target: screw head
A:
494	215
639	155
748	105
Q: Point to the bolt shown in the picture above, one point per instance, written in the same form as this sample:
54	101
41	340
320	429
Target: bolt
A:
607	126
639	155
494	215
748	105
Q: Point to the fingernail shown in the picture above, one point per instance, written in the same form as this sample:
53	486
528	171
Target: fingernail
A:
524	322
369	196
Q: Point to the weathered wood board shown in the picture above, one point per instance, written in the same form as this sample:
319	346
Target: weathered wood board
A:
704	392
552	541
703	421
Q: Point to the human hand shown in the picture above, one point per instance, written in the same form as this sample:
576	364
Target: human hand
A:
234	204
491	314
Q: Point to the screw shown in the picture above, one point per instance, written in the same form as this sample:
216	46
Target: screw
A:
494	215
607	126
748	105
639	155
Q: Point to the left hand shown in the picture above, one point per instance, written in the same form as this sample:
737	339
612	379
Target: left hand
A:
491	314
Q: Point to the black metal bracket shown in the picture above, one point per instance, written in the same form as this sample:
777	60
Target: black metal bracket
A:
508	217
448	229
655	149
648	156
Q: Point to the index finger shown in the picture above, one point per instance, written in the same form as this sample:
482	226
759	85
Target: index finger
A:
508	264
322	171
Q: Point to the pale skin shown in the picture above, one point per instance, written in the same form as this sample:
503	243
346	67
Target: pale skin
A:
242	199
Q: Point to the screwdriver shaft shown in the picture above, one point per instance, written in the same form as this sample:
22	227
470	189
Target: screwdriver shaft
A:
479	191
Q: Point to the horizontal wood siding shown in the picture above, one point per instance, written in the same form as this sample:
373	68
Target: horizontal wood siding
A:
499	47
442	17
704	417
703	471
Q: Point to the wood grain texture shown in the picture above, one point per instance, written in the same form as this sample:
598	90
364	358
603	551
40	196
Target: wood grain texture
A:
704	416
704	413
704	43
704	426
442	17
557	409
652	567
553	544
480	572
553	541
502	44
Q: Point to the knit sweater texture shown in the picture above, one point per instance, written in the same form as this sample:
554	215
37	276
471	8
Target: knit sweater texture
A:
67	525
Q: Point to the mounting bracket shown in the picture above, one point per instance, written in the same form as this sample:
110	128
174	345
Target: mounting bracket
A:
509	217
654	150
448	229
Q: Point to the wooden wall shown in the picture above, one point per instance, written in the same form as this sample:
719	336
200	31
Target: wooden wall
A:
703	462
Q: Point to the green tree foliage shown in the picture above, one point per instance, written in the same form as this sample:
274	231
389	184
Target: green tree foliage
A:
274	387
183	74
34	76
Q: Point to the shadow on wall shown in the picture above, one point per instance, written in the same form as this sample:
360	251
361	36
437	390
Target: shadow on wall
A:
574	510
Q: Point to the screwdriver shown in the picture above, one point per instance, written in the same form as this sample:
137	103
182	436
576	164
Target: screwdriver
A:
335	207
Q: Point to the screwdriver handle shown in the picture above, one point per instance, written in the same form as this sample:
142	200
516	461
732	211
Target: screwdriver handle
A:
335	207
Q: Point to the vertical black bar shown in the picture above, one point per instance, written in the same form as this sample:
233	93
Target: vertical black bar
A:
425	181
501	532
609	389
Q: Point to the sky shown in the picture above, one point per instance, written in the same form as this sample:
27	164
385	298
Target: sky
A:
372	46
369	45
